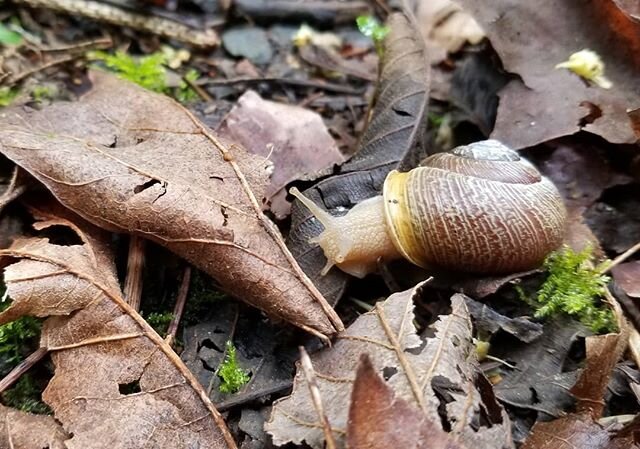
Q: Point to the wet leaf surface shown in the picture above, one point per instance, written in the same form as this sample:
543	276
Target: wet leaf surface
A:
116	382
487	322
627	276
436	374
546	103
538	382
132	161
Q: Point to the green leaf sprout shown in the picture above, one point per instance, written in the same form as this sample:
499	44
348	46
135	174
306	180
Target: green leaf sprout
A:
370	27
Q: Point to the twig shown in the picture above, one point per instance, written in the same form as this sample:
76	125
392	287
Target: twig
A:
621	258
135	265
16	187
181	300
199	90
117	16
292	82
310	376
22	368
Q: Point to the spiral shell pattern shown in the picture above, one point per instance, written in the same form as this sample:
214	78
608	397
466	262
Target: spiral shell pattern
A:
479	208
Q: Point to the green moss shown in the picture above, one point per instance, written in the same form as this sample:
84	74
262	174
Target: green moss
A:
43	93
574	287
25	395
15	338
159	321
9	37
146	71
184	93
7	95
232	375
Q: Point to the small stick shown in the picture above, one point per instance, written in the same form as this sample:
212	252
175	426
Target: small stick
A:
22	368
179	307
199	90
117	16
621	258
135	265
310	376
291	82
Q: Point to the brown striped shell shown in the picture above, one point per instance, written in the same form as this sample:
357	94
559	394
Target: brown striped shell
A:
479	208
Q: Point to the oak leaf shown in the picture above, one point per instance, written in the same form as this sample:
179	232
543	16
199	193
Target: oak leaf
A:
116	383
129	160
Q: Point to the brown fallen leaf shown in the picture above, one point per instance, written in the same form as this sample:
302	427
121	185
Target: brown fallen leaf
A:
380	420
627	276
116	383
544	102
291	139
422	372
22	430
129	160
569	432
603	352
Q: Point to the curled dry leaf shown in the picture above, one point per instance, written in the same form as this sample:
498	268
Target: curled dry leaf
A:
379	420
129	160
293	141
438	376
603	352
26	431
117	383
544	102
393	139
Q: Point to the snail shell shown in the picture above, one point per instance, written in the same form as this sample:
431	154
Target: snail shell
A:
479	208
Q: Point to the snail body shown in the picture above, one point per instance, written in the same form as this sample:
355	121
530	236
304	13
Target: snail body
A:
479	208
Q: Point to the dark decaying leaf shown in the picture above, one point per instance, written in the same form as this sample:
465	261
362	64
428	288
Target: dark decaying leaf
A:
531	38
129	160
380	420
116	383
26	431
538	382
487	322
261	350
392	138
437	375
292	140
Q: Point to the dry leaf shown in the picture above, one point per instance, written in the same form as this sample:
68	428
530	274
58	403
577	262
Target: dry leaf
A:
543	102
293	140
129	160
603	352
379	420
446	26
627	276
436	375
569	432
22	430
116	382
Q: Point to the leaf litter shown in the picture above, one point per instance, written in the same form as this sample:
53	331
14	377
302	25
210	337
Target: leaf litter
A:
117	383
132	161
437	375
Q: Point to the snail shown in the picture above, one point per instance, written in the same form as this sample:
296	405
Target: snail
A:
479	208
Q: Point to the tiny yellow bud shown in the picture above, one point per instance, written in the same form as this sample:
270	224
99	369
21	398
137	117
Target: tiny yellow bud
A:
589	65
